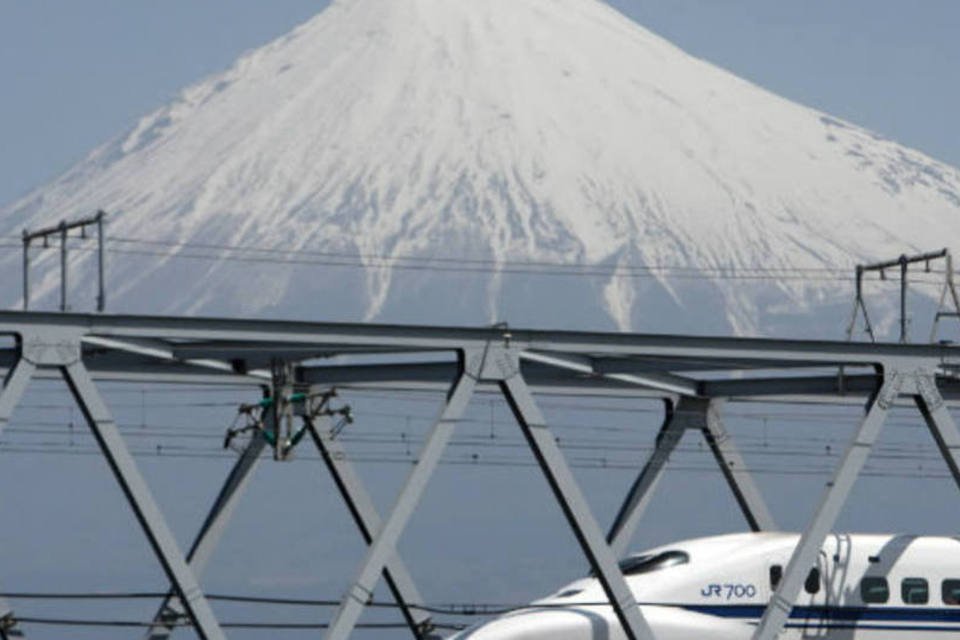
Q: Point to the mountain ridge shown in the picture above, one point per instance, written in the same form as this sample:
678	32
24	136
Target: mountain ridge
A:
533	130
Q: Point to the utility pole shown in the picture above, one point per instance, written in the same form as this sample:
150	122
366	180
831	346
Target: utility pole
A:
903	264
63	230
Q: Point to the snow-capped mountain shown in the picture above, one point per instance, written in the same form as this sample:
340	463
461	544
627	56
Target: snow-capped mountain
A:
451	147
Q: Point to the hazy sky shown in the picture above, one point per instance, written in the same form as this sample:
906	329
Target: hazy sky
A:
77	73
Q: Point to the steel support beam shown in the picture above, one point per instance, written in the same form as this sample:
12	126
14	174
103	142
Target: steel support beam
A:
575	507
141	500
13	388
365	515
383	546
940	422
834	496
172	612
739	479
641	493
702	415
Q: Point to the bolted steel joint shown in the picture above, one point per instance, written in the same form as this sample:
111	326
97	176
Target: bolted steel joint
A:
890	390
492	364
927	389
50	350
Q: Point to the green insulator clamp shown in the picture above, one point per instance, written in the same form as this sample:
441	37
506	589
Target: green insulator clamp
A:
297	397
265	403
297	437
270	437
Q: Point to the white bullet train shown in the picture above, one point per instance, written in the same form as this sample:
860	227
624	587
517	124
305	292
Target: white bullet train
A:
864	587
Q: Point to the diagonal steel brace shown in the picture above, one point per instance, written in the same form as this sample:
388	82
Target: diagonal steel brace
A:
141	500
544	446
13	388
703	415
780	607
171	611
368	521
383	546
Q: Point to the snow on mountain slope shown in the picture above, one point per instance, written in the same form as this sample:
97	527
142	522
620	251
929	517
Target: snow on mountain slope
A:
503	132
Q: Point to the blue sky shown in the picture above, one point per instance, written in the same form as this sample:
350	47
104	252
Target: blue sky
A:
76	73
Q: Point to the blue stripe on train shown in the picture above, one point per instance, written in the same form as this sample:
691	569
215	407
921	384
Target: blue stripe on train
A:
829	616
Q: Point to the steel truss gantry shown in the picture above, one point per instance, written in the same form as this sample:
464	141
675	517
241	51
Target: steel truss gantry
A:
694	376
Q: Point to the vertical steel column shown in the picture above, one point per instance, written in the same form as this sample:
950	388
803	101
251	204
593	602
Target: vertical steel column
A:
805	555
731	463
101	292
940	422
575	507
365	515
63	266
26	270
903	299
641	493
141	500
384	543
172	611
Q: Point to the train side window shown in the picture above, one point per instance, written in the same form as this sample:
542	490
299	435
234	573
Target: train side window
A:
874	590
812	584
950	590
914	591
776	575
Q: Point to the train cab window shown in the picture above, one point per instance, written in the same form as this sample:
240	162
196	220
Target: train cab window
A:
812	584
776	575
950	590
874	590
914	591
649	563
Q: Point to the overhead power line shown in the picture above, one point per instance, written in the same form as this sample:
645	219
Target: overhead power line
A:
307	257
252	254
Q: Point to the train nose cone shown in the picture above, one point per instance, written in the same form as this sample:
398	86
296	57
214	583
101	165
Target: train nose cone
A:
568	624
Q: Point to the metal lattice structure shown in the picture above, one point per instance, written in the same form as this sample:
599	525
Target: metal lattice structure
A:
694	376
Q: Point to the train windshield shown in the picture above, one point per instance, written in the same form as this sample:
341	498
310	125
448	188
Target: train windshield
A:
648	563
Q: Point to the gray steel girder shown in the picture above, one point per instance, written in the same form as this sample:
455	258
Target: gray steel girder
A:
702	415
141	500
383	546
642	490
834	496
13	388
368	521
738	477
941	424
171	611
575	507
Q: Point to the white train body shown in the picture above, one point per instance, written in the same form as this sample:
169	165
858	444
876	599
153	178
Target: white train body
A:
865	587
